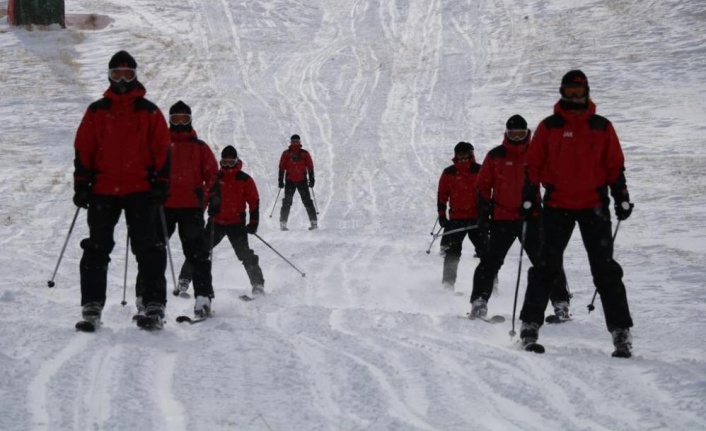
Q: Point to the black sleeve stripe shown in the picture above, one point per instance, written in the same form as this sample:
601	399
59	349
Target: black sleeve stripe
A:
555	121
451	170
499	152
596	122
242	176
101	104
142	104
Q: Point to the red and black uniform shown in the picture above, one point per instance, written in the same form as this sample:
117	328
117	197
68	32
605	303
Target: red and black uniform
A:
576	156
193	173
457	193
237	195
296	173
122	163
500	184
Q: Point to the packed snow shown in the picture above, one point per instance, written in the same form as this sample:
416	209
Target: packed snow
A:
380	92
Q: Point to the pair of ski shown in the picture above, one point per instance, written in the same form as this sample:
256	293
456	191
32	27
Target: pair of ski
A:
143	322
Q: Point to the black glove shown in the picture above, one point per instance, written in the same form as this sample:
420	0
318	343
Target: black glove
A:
530	200
623	210
528	208
443	221
82	193
251	228
311	182
214	206
160	191
485	210
280	183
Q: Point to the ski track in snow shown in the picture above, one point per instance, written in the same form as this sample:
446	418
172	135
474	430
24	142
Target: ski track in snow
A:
368	340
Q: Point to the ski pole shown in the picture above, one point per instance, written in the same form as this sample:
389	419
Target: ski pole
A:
278	254
166	242
591	307
519	274
434	237
313	195
461	229
127	256
51	283
434	227
275	205
212	230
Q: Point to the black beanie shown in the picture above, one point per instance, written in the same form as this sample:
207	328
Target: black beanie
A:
463	148
122	57
295	138
180	108
516	122
229	152
574	78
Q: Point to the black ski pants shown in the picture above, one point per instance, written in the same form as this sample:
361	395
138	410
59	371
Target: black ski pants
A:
502	235
303	189
197	263
142	218
238	237
454	246
595	227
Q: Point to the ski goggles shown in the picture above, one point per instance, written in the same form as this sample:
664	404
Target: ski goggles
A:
180	119
516	135
573	92
125	74
229	163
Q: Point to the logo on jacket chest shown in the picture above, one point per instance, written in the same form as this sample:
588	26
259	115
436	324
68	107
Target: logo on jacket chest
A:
568	134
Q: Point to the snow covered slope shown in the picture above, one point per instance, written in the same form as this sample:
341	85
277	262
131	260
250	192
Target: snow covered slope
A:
380	92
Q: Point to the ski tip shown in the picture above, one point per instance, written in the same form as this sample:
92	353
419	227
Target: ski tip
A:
190	321
85	326
534	348
554	319
621	354
246	298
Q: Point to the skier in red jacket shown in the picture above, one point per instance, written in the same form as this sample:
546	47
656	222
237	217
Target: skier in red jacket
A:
193	173
295	165
122	164
457	193
576	156
500	182
234	194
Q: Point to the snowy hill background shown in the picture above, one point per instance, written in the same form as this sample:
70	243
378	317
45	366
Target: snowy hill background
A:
380	92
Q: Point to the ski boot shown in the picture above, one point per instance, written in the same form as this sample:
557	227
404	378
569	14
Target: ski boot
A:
153	318
258	289
479	309
622	340
202	306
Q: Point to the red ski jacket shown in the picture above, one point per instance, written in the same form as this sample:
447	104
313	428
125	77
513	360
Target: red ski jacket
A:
193	172
575	156
501	178
457	187
236	190
121	144
295	163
